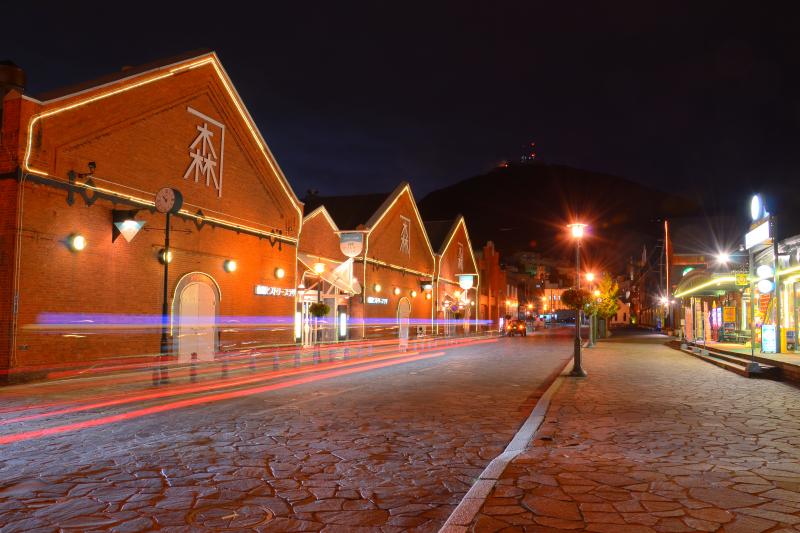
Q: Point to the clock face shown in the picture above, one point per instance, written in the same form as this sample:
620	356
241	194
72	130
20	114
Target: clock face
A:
168	200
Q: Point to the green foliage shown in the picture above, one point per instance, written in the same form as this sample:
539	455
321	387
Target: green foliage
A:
319	309
608	304
576	298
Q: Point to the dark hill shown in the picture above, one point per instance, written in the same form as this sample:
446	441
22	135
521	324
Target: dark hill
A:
526	208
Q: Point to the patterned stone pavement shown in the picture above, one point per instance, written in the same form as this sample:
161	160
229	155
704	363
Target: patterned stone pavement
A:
388	449
656	441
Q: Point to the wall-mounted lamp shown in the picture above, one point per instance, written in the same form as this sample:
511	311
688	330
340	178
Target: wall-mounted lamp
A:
319	268
413	294
376	287
230	265
396	291
163	257
280	273
125	224
76	242
427	296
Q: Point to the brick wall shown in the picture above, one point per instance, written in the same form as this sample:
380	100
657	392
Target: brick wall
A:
140	140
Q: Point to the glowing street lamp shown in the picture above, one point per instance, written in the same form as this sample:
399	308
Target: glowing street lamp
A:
577	234
723	258
590	277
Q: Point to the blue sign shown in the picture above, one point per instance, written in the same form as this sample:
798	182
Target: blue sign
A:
768	341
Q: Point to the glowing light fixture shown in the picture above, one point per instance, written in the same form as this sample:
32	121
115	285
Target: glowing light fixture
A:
765	286
687	270
396	291
280	273
377	287
577	229
128	228
319	268
596	293
164	256
76	242
764	271
457	294
230	265
413	294
723	258
427	296
590	276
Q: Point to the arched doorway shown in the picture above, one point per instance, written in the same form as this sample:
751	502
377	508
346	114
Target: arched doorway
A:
403	314
195	309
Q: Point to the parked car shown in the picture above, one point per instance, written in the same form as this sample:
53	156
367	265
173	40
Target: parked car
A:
516	327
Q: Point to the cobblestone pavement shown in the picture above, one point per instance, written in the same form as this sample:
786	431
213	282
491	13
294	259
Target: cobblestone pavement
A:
389	448
656	441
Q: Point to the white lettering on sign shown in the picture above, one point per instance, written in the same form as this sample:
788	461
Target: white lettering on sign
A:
460	258
205	161
265	290
757	236
376	300
405	236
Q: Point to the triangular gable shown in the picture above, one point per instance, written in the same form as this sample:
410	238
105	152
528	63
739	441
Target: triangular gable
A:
324	212
449	239
149	79
380	213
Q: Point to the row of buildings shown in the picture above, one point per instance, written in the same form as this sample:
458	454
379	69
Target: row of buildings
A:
722	280
144	212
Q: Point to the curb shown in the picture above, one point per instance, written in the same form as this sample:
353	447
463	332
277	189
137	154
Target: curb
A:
465	512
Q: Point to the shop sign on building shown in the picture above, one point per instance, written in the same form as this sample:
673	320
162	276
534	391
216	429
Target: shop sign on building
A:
376	300
741	280
351	243
204	159
729	314
768	339
757	235
266	290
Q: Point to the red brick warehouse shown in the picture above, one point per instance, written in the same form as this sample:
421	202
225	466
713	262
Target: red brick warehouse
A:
395	266
75	162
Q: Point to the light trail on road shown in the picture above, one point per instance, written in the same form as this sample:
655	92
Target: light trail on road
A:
40	433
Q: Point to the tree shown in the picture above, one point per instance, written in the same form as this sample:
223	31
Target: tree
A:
607	304
576	298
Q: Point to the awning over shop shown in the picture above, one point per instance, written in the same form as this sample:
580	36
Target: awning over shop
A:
339	275
704	283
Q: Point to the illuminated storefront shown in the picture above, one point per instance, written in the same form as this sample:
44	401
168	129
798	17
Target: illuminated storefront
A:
325	268
395	269
83	228
457	283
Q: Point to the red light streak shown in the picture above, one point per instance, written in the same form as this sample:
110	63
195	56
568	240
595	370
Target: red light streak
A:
39	433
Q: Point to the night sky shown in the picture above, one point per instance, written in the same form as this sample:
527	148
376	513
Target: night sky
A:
355	97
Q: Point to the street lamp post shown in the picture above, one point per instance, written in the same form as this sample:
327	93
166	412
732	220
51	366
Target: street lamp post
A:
592	333
577	234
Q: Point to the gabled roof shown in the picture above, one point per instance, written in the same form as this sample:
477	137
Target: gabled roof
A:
125	72
137	77
349	212
324	212
439	231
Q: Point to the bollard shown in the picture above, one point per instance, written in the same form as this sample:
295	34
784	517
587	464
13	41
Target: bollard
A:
193	368
224	369
275	362
253	362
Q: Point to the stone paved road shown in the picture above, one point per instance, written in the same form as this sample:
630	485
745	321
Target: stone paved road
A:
656	441
389	448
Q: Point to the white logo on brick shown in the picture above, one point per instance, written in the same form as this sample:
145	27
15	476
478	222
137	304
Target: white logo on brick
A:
460	258
405	236
205	162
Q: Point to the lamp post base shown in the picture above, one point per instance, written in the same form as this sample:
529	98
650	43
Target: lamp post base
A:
577	373
577	370
754	368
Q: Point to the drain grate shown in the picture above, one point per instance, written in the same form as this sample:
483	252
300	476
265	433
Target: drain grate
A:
230	517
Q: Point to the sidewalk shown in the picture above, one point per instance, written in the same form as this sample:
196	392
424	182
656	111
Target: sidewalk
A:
655	440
